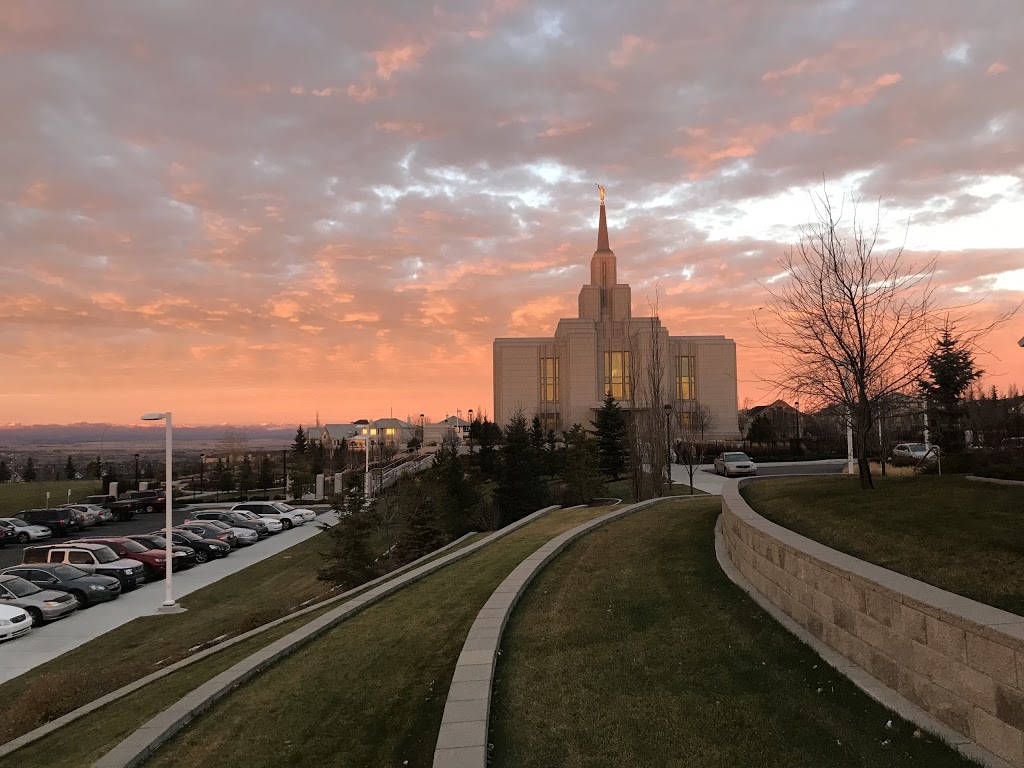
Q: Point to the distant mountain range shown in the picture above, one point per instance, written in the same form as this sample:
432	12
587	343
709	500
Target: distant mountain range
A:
39	435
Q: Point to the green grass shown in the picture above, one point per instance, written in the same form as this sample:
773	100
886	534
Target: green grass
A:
14	497
371	691
633	649
621	489
965	537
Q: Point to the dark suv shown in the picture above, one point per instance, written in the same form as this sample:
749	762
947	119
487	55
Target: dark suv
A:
61	522
233	519
154	500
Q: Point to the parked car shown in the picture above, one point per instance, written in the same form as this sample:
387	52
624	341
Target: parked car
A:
210	531
184	557
61	522
244	537
912	453
85	516
124	509
154	561
24	531
307	514
42	604
273	525
7	534
233	519
92	558
87	588
205	549
733	463
152	500
266	509
14	622
102	515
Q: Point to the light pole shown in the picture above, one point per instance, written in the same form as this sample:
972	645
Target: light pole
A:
797	419
136	471
423	432
668	441
471	431
202	469
284	479
169	605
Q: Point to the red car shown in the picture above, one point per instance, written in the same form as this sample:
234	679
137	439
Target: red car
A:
153	560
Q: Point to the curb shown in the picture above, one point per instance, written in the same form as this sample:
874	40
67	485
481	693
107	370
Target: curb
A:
993	480
47	728
856	674
462	738
139	745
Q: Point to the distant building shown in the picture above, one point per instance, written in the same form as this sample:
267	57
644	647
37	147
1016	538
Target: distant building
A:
564	379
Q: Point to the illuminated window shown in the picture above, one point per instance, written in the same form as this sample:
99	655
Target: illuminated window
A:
685	368
389	431
362	431
549	379
686	419
373	431
616	374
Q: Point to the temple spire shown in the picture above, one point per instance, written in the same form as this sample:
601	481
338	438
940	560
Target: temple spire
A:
602	226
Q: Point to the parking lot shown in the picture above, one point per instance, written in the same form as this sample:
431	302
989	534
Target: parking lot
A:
52	639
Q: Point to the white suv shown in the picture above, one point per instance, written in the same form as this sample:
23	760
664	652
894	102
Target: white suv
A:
268	509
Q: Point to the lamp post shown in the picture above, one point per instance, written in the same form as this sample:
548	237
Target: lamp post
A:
423	432
668	442
169	605
202	470
284	473
471	431
136	471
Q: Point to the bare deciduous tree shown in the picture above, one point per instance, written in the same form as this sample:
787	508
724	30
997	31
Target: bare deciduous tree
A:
645	426
852	326
691	447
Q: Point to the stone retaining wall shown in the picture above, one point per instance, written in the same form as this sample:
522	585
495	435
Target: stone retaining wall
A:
960	661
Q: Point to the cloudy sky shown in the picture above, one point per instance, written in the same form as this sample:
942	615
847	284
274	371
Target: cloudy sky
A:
251	211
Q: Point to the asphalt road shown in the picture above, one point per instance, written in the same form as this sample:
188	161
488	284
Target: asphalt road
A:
145	522
799	469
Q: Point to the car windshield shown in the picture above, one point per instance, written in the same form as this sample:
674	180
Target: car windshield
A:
21	588
282	507
246	514
159	542
134	546
189	536
67	572
917	447
105	555
736	457
16	522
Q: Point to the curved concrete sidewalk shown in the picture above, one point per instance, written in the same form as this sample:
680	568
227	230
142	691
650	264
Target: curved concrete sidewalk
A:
462	739
48	728
147	739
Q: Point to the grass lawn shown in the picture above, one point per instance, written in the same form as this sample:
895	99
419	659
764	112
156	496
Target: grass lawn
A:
633	649
371	691
962	536
14	497
620	489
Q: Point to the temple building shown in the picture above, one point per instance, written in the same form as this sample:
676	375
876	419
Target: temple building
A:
564	378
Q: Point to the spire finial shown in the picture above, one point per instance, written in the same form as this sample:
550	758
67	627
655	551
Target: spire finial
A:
602	225
602	192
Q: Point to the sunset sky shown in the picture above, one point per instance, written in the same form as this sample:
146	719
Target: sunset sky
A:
249	211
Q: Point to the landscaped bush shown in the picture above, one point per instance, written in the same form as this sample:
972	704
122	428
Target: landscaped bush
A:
1001	464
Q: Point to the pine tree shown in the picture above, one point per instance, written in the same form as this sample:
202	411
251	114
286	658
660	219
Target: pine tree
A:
583	479
350	561
520	490
537	434
488	435
266	478
69	469
223	475
422	530
300	445
5	473
30	471
245	476
951	372
612	442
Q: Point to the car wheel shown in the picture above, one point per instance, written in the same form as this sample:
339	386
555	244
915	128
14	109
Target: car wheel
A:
23	538
288	524
149	507
201	556
83	601
37	617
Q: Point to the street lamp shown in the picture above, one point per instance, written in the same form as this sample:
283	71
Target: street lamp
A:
668	440
136	471
471	431
169	605
423	432
202	469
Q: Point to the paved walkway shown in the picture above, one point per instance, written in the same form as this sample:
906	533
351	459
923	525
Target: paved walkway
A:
50	641
709	482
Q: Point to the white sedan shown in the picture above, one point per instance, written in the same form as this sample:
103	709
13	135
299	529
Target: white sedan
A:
14	622
307	514
273	510
273	525
27	532
733	463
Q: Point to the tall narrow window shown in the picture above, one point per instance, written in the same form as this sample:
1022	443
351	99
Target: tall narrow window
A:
685	369
616	374
549	379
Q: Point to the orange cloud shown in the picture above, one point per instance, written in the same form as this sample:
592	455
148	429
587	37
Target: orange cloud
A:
848	95
565	128
630	47
405	57
997	68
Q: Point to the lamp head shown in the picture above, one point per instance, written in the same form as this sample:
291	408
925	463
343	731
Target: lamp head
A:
153	416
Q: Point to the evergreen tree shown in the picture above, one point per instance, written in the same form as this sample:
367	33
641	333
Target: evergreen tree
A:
583	479
224	476
300	445
422	529
350	561
340	459
612	442
950	373
488	435
30	471
245	476
266	477
453	491
69	469
520	490
537	435
5	473
761	430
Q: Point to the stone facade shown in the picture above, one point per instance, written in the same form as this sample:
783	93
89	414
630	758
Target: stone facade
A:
564	378
960	661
